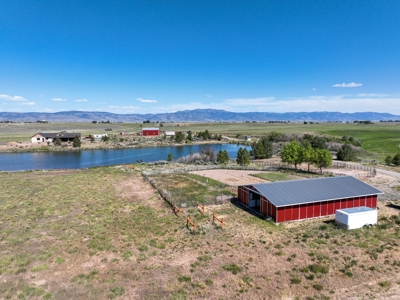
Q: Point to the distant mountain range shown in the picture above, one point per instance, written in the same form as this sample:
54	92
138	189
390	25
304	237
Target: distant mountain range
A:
197	115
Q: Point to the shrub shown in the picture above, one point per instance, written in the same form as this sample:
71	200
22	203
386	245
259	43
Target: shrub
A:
346	153
116	292
319	268
184	279
232	268
385	284
396	160
318	287
295	280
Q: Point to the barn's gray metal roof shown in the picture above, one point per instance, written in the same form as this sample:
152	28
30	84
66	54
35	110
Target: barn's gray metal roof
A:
285	193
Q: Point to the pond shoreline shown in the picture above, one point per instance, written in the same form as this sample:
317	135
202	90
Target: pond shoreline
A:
27	147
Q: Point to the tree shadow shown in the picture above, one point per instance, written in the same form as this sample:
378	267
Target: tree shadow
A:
391	205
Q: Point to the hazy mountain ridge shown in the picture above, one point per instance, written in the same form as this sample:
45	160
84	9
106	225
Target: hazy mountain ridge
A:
197	115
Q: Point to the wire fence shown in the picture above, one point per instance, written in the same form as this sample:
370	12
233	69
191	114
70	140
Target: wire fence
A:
257	165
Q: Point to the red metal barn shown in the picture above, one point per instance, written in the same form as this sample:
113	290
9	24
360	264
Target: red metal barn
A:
308	198
150	131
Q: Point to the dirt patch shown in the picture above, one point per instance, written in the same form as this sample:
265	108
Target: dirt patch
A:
231	177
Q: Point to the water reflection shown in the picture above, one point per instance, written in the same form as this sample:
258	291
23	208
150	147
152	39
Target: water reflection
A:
92	158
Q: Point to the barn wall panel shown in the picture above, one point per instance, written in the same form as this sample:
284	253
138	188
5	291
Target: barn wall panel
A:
336	205
317	209
350	203
280	214
310	210
343	203
331	207
369	201
303	211
324	208
296	212
374	201
357	202
273	213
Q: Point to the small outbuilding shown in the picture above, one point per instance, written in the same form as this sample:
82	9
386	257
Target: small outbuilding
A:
307	198
170	133
356	217
150	131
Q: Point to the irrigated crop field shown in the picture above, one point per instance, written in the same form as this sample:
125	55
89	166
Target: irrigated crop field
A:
379	140
104	233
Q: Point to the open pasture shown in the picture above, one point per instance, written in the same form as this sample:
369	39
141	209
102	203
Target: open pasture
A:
104	233
379	140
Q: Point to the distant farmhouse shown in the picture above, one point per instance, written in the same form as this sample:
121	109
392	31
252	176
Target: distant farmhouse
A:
150	131
50	137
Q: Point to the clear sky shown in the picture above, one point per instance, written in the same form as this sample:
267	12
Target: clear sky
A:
144	56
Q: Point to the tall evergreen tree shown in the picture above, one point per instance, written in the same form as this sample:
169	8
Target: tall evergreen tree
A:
57	142
77	142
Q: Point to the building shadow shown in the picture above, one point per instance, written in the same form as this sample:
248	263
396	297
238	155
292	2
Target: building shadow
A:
254	212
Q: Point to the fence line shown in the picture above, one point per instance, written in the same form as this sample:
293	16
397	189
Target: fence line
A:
218	219
202	207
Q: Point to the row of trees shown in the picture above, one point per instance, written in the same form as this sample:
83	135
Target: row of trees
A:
295	154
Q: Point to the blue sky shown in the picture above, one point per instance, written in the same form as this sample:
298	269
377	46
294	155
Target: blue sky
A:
165	56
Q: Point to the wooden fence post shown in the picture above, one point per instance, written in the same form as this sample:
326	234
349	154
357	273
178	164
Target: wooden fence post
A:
192	223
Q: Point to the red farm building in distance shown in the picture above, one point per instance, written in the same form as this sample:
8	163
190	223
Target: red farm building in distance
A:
150	131
308	198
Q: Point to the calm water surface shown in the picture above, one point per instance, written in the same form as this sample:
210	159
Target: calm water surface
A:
93	158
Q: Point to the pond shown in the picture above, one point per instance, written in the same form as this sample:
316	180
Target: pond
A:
93	158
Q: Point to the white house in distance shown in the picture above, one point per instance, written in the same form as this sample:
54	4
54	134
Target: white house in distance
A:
169	133
64	136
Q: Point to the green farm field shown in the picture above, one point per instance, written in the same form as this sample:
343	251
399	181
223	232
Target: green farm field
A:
379	140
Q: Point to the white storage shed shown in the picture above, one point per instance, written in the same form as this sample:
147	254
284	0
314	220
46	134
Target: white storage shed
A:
356	217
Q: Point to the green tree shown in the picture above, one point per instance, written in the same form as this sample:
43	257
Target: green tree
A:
388	160
308	155
257	150
189	136
105	138
161	125
169	158
322	158
267	147
77	142
91	137
346	153
292	154
243	157
57	142
222	157
319	142
396	159
179	137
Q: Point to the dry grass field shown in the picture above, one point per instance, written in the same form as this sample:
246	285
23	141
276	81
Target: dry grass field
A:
104	233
